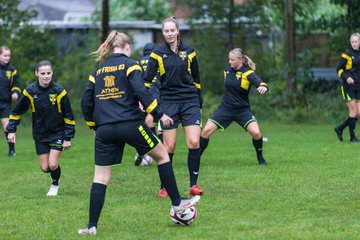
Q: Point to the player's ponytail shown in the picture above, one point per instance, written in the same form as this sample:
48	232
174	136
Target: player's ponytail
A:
238	52
114	39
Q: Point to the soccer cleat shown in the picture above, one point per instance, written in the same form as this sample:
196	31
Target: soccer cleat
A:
339	134
163	193
261	160
354	140
87	231
53	191
11	153
195	190
138	160
186	203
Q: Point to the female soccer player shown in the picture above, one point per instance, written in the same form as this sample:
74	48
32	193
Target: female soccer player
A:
110	106
53	122
235	105
180	95
348	70
9	90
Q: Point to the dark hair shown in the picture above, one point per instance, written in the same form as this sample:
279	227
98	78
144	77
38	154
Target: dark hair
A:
41	64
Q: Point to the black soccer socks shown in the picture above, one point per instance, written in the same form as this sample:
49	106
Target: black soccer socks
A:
167	179
97	198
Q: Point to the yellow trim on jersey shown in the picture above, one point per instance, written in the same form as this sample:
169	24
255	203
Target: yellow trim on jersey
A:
13	117
133	68
160	62
349	61
148	85
224	75
92	79
68	121
340	72
31	100
245	83
152	106
90	124
190	58
197	85
59	97
16	88
13	73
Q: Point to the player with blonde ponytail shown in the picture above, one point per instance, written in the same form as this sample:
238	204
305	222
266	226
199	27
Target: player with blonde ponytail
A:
235	105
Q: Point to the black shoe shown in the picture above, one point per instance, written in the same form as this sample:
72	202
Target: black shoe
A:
354	140
262	161
12	153
138	160
339	134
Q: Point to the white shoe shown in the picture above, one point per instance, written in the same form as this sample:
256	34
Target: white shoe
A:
87	231
53	191
186	203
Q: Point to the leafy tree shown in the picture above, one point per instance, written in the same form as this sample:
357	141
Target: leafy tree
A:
137	10
28	44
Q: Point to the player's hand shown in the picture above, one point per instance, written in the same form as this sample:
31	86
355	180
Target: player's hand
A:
66	145
349	80
166	120
11	137
262	89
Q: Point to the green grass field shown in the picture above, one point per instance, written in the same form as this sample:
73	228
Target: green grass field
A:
309	190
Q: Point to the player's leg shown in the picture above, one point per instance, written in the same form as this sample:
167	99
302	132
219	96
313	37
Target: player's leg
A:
4	123
208	130
108	152
168	180
353	112
254	130
192	134
55	170
169	139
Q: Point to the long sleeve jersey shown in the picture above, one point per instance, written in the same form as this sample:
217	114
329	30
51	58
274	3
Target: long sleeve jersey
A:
9	84
349	66
237	86
179	74
52	116
113	91
154	87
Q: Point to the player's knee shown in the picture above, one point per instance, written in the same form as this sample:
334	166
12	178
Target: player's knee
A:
256	135
170	147
45	169
193	143
53	166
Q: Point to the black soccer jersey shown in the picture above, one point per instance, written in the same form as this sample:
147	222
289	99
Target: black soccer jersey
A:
52	116
113	91
9	83
179	74
237	87
349	66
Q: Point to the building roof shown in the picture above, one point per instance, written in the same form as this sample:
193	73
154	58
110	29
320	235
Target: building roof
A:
64	10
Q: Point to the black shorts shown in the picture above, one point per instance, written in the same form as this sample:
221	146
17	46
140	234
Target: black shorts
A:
110	141
5	112
186	113
223	117
349	93
44	147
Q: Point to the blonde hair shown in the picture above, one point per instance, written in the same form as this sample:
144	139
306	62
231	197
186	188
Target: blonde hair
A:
238	52
355	35
175	21
114	39
3	48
